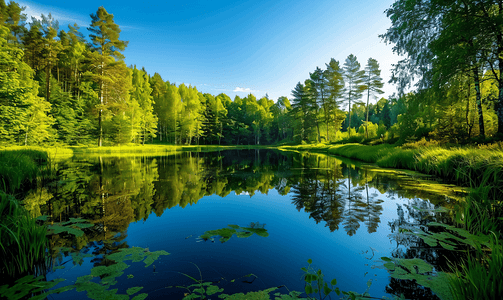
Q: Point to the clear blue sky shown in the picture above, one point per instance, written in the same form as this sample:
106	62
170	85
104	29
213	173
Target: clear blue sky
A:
235	47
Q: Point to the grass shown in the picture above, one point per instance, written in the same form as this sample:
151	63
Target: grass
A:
22	240
19	168
153	150
463	166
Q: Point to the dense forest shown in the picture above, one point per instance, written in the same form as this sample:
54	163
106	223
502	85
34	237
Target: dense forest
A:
62	87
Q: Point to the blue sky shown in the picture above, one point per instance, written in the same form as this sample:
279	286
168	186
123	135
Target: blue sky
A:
238	47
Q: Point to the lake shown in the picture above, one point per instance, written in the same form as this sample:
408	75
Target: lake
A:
287	207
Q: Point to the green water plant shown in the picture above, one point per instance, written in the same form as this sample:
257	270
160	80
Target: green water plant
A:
35	288
479	275
200	289
73	226
315	283
98	283
22	240
420	271
241	232
20	167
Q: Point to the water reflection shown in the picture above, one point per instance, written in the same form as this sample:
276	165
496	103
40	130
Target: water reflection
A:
113	192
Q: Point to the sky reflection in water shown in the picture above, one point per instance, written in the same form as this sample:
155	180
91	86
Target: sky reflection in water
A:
338	214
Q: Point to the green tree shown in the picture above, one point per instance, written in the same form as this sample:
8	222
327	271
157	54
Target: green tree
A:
321	95
353	77
23	115
373	84
142	94
107	46
303	113
335	85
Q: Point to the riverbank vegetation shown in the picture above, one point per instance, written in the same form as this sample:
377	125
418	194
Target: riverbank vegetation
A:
53	94
61	88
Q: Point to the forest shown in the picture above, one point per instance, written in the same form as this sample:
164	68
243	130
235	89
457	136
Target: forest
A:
63	87
70	91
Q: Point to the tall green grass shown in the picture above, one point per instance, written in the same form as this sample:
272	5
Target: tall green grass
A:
22	241
463	166
19	168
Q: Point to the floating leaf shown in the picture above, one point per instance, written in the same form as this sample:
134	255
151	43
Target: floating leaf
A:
56	229
260	295
309	261
241	232
133	290
140	296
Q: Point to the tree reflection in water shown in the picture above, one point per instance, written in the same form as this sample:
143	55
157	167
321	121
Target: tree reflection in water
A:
112	192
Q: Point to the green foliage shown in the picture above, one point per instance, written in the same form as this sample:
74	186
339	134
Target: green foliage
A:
260	295
479	276
23	241
137	254
73	226
34	288
422	272
20	167
241	232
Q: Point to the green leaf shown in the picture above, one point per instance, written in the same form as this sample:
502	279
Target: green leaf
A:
333	282
309	261
309	289
133	290
140	296
385	258
42	218
326	289
447	246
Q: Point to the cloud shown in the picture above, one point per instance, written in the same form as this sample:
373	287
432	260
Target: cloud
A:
243	90
36	11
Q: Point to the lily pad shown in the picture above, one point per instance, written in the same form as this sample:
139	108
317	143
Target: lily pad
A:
241	232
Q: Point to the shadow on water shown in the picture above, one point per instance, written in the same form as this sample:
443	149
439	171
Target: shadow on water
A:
114	192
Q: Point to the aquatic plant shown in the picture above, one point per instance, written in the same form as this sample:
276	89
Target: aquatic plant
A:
73	226
420	271
479	275
315	283
22	240
241	232
34	288
19	167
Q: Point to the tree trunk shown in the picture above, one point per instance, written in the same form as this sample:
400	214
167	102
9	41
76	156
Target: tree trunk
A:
479	101
100	140
367	119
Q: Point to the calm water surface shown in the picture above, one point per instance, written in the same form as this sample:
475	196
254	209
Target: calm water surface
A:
342	215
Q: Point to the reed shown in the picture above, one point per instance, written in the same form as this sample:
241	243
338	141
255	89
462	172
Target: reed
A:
479	276
22	241
19	167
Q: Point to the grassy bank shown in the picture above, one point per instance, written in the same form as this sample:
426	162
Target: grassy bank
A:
22	241
153	150
471	167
